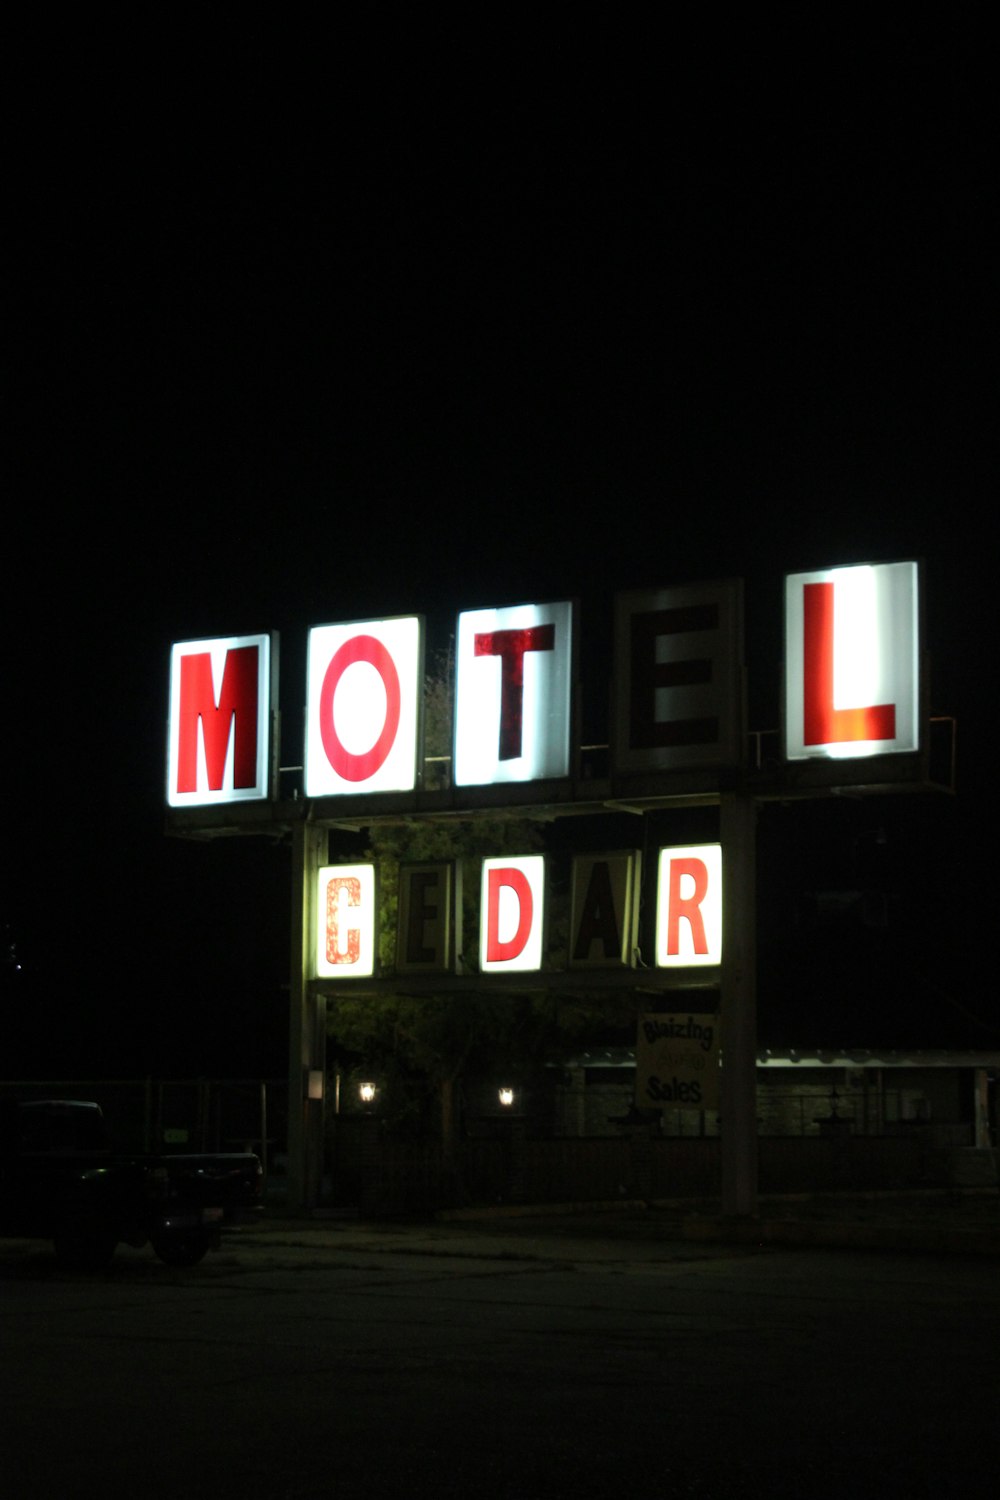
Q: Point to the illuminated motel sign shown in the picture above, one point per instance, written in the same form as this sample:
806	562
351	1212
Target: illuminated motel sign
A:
512	914
852	655
222	694
364	692
512	923
689	907
346	922
852	689
513	692
677	689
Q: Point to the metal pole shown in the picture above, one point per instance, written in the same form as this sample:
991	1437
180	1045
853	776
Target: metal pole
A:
307	1024
147	1117
738	817
263	1127
980	1084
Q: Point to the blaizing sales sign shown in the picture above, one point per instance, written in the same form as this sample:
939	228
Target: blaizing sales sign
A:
677	1061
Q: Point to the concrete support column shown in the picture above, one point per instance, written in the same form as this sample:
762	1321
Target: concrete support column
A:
307	1025
738	1083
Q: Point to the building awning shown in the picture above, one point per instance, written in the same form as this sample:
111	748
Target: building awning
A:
807	1057
804	1057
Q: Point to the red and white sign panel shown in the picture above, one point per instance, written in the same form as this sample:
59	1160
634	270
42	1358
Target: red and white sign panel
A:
605	910
852	661
678	668
218	746
512	914
364	689
346	922
513	694
689	907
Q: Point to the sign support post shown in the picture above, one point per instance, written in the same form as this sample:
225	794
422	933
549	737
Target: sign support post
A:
307	1025
738	1082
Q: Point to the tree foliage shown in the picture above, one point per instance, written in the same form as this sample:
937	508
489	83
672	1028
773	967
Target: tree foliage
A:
422	1046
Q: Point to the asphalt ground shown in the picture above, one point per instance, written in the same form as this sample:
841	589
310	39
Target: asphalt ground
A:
954	1222
568	1353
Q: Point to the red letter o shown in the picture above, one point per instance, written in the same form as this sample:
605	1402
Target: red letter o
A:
367	649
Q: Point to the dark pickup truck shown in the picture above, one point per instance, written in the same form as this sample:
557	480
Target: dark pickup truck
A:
59	1180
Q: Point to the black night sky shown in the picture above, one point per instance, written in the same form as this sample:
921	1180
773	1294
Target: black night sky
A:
308	327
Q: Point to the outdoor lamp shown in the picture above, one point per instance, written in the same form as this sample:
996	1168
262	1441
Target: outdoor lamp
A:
506	1097
367	1092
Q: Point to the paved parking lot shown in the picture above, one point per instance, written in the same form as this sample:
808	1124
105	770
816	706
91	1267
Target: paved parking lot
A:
527	1359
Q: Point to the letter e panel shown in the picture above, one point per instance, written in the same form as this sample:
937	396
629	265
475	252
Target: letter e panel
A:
428	934
678	685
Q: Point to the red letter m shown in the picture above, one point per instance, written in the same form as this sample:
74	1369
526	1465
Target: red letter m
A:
234	715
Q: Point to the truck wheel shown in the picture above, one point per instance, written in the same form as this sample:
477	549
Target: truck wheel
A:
182	1249
83	1242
